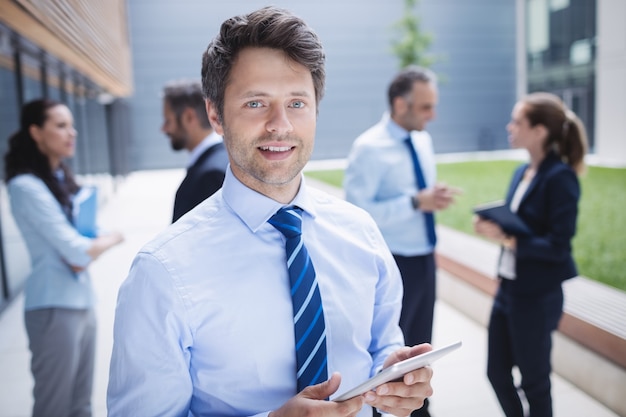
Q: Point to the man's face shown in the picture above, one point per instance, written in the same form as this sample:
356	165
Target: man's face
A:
269	120
173	129
418	108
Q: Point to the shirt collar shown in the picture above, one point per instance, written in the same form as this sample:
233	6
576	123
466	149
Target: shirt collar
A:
255	209
212	139
395	130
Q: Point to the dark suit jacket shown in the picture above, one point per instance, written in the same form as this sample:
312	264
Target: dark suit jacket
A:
549	208
203	179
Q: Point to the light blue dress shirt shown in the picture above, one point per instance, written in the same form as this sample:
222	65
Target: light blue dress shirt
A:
204	321
380	178
211	140
53	244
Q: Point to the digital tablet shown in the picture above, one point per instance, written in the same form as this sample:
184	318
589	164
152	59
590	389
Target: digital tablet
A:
501	214
397	370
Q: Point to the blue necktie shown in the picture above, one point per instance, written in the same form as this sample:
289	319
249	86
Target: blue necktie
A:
308	314
421	184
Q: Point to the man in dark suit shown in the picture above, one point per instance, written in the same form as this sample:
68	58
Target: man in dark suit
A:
186	123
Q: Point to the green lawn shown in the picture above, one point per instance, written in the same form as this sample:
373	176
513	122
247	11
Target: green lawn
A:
600	242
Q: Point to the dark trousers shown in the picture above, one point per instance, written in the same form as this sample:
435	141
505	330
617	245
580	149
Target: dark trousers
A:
418	303
520	334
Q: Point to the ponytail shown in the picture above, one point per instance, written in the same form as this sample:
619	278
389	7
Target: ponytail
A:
573	145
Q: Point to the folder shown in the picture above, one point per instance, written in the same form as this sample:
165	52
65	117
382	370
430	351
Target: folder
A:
501	214
85	207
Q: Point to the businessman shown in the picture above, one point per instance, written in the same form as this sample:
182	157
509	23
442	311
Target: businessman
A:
391	174
186	123
270	297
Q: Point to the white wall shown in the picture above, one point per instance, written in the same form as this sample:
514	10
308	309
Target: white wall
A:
610	134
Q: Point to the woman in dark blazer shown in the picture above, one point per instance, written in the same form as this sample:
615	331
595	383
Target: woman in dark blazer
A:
529	303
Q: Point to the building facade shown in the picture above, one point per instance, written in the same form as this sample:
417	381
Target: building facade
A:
577	50
489	53
78	53
474	41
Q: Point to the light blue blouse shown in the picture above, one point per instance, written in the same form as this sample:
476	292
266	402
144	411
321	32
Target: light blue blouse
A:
204	321
53	244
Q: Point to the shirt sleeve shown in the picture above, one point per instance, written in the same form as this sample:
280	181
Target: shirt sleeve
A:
362	181
33	202
149	373
386	338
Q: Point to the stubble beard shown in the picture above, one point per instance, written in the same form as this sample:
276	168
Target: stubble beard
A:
178	139
245	158
176	143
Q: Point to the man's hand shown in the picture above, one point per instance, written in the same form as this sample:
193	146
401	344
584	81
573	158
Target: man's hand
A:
311	402
402	397
437	198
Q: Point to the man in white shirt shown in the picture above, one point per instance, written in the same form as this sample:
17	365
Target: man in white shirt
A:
186	123
205	320
391	173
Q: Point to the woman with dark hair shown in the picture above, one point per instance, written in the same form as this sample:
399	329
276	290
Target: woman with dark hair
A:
529	303
59	316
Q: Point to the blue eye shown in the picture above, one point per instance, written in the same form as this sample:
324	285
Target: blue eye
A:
254	104
297	104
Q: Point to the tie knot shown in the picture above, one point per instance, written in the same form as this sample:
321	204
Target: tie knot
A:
288	220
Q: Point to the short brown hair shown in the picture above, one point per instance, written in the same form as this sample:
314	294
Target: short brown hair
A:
269	27
182	94
402	83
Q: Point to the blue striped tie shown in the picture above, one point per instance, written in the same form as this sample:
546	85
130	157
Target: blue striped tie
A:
421	184
310	330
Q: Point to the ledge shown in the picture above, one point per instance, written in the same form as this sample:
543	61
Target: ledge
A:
593	313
